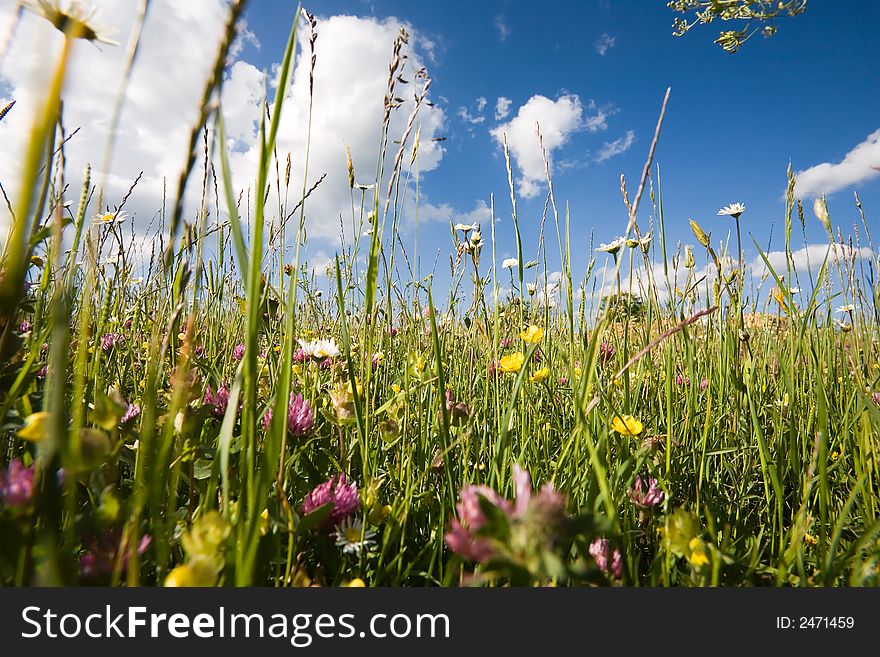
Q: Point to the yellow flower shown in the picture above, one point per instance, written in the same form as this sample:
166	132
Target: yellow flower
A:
356	583
264	522
540	376
532	335
512	362
626	425
617	381
578	371
198	572
36	427
697	556
810	539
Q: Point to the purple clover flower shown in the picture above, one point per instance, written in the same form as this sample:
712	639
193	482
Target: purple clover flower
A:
238	351
16	484
609	562
649	498
338	490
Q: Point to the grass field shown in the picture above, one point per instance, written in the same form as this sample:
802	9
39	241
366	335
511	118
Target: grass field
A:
680	425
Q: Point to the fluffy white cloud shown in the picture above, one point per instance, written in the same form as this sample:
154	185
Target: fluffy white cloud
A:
855	168
807	258
558	120
162	104
605	43
164	93
618	146
351	76
502	108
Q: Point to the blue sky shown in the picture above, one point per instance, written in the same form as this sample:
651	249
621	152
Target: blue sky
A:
808	96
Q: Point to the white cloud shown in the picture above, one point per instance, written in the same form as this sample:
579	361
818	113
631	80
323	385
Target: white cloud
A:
612	148
807	258
558	120
502	108
164	92
605	43
855	168
477	117
503	28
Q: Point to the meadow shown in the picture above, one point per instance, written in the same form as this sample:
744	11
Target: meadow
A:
206	412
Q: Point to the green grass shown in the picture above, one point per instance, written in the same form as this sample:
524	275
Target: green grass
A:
756	412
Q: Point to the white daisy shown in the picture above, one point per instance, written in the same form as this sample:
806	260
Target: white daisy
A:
510	263
467	227
612	247
848	308
352	537
110	217
320	349
73	19
733	210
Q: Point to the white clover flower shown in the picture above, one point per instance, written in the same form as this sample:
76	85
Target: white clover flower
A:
733	210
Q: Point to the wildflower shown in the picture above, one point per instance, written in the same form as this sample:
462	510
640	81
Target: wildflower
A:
36	427
356	583
377	359
198	572
649	498
532	335
704	383
110	218
74	20
300	416
16	484
352	537
689	260
606	351
238	351
337	491
111	340
466	228
848	308
133	411
218	402
645	243
875	397
540	375
810	539
626	425
320	349
24	327
510	263
697	555
609	562
539	515
733	210
613	247
512	363
682	380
